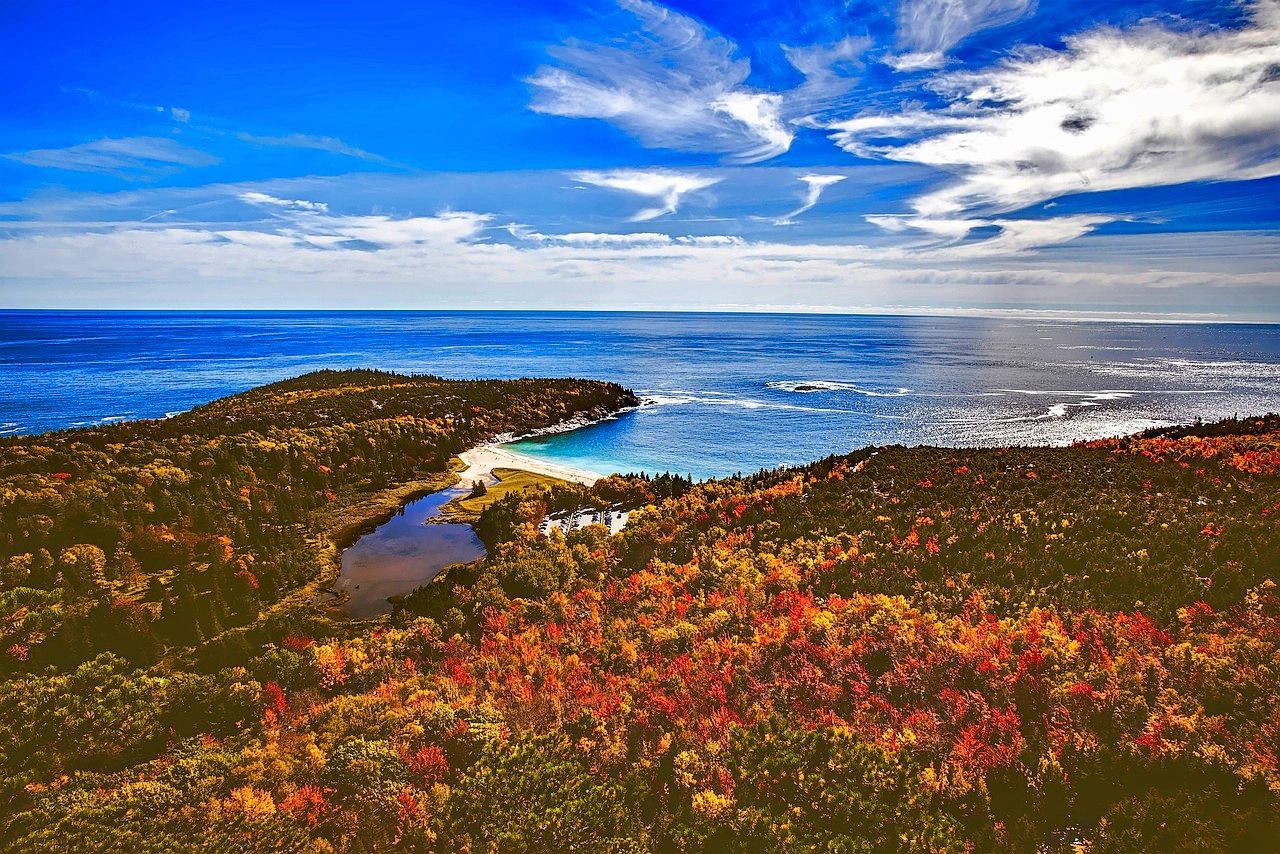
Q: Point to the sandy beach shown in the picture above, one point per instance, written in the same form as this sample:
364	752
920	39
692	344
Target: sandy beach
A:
483	459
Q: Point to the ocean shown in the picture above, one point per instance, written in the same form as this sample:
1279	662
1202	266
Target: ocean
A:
724	392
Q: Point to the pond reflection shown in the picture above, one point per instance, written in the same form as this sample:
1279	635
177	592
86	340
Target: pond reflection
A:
404	553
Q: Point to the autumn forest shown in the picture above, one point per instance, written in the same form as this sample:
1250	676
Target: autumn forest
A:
901	649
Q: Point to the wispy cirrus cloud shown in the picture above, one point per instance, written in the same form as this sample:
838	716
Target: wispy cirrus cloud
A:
304	222
666	186
1113	110
331	144
674	83
254	197
816	185
218	128
134	157
1011	237
671	83
927	29
830	71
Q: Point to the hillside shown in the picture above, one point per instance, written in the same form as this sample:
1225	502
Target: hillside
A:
215	529
1053	649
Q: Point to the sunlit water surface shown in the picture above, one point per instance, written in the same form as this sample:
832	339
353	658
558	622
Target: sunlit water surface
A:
726	393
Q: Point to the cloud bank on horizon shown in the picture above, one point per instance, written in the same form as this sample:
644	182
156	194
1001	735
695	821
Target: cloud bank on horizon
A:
1010	155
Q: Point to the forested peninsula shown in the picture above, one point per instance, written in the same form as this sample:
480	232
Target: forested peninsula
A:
900	649
192	540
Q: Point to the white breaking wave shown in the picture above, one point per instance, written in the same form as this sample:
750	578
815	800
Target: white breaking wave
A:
98	422
811	386
1094	347
1086	398
1102	394
677	398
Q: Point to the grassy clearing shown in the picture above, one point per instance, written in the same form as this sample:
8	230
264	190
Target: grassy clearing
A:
469	508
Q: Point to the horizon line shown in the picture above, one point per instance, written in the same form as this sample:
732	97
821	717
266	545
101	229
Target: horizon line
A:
1069	315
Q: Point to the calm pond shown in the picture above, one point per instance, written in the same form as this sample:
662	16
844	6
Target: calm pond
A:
404	553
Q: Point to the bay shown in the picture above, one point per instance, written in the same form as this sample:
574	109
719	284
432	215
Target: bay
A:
724	392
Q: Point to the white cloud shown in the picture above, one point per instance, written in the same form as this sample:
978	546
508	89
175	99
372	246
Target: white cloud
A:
1013	235
762	113
712	240
134	157
674	83
632	240
307	255
816	184
257	239
1113	110
671	84
589	238
927	29
438	262
668	187
313	242
452	227
180	115
256	198
310	223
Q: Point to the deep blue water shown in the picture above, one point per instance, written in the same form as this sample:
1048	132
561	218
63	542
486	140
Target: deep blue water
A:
723	386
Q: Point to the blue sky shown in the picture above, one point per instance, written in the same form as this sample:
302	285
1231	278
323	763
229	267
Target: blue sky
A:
1085	157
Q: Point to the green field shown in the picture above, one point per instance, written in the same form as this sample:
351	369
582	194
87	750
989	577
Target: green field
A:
510	481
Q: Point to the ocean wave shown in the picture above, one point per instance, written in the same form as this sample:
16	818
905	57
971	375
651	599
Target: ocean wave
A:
966	395
1101	394
1096	347
1062	409
811	386
98	422
650	400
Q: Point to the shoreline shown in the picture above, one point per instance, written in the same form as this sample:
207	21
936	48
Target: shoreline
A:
481	460
477	463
